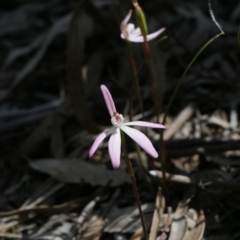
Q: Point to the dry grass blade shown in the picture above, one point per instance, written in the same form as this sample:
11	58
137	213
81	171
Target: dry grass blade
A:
158	212
60	208
126	220
78	31
56	227
10	223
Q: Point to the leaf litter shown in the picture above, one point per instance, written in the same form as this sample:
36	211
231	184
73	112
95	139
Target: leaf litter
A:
43	197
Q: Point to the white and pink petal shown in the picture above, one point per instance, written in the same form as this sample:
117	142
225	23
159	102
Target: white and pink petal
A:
139	38
141	140
99	140
114	148
155	34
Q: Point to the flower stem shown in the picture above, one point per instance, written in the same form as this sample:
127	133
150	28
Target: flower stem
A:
134	185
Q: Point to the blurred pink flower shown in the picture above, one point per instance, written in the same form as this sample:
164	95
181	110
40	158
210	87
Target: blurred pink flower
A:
114	145
132	34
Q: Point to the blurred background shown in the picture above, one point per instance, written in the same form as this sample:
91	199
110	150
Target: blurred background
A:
54	55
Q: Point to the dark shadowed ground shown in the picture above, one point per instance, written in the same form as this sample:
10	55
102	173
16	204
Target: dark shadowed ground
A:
54	55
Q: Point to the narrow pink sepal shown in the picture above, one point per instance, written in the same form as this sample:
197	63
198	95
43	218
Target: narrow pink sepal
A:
108	100
141	140
114	148
155	34
134	38
125	21
98	141
144	124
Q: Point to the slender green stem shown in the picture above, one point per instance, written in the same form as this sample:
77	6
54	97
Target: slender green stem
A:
134	185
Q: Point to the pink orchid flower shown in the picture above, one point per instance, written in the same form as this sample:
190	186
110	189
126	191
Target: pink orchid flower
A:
114	145
132	34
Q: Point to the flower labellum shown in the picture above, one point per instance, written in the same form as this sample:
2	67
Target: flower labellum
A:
114	144
132	34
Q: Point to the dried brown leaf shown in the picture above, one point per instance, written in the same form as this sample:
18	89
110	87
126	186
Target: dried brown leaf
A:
179	222
196	232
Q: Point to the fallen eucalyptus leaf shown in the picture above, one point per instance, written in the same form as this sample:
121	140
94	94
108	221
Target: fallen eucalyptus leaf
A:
77	171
